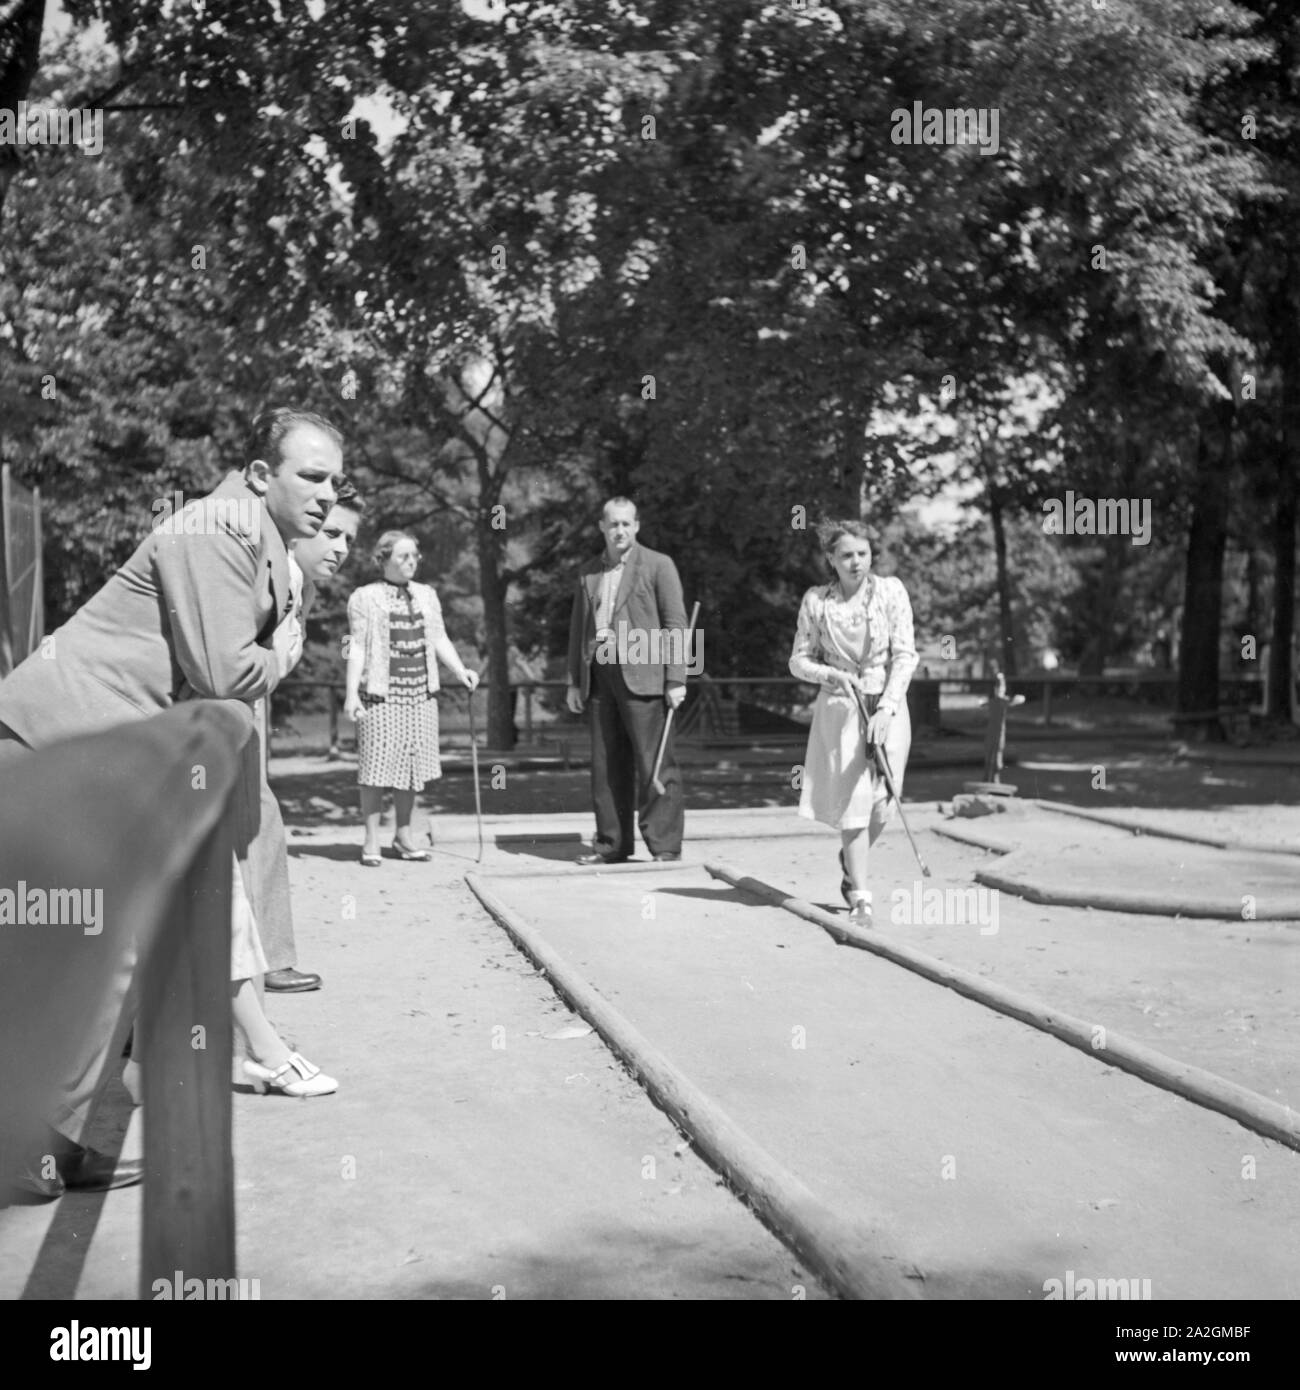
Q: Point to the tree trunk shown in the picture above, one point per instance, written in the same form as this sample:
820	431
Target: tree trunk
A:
851	464
491	562
1281	669
1005	630
1198	666
20	40
1253	625
1280	695
1102	618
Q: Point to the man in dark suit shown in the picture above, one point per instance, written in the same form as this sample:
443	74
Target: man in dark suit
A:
628	623
192	614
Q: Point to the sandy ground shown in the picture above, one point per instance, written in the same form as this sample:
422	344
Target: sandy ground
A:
468	1154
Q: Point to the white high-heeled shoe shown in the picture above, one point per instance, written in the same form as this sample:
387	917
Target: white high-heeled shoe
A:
860	911
297	1077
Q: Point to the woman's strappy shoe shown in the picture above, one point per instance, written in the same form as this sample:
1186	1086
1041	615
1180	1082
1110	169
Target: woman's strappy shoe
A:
411	852
297	1077
846	883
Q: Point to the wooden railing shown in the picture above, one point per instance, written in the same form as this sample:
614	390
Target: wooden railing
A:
142	815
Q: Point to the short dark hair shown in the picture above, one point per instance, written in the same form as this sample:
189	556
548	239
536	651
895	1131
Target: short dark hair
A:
268	432
829	533
346	495
621	502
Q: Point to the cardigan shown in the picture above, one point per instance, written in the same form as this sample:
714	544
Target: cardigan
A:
887	666
368	628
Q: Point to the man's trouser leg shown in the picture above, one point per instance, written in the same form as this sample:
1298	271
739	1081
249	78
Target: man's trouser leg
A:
100	1025
260	825
613	789
269	861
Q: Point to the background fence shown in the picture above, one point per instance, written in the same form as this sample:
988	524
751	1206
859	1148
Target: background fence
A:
743	709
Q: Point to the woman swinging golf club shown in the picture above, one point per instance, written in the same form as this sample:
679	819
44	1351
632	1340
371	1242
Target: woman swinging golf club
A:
854	639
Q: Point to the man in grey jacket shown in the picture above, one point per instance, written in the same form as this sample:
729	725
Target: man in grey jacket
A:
190	615
627	660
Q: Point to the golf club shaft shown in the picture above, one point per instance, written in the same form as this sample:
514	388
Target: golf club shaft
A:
877	751
668	723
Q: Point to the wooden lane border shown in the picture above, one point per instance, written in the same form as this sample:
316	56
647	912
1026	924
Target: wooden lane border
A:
964	836
1145	902
1137	826
846	1255
560	868
1247	1107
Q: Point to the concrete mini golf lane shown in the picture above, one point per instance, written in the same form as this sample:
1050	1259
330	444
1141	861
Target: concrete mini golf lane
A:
477	1148
1214	994
991	1155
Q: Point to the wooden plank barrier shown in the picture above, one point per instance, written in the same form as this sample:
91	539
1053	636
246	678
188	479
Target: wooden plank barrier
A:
138	820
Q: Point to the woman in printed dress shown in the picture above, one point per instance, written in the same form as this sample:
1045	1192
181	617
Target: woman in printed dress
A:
854	633
397	638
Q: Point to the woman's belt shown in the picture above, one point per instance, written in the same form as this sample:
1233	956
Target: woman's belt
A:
871	700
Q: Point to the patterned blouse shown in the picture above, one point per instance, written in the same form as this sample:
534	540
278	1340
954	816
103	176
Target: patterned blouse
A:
869	635
407	653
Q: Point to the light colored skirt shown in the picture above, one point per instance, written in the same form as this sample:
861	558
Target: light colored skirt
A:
397	743
840	784
246	955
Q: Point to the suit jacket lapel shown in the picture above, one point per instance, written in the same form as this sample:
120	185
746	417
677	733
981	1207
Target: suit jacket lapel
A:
274	590
277	561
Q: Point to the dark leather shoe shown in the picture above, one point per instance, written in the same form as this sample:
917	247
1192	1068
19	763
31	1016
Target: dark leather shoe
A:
667	858
96	1172
595	858
28	1179
290	981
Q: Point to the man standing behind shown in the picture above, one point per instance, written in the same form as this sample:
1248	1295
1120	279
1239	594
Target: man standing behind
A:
625	605
312	560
